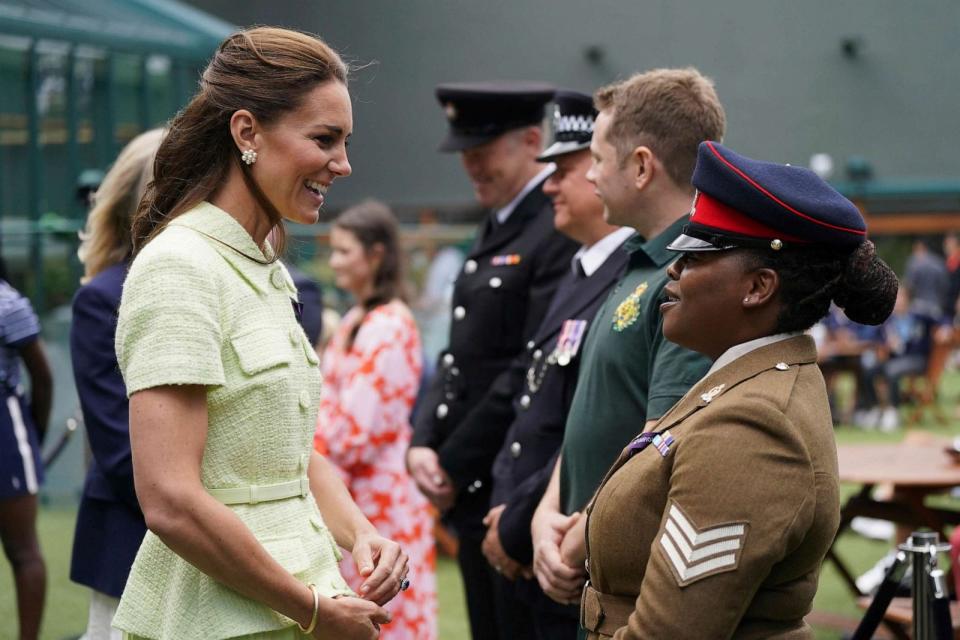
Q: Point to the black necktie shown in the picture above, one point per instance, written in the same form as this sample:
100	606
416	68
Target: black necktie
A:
578	268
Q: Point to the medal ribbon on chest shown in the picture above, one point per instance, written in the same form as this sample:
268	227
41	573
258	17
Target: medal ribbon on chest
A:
662	441
568	344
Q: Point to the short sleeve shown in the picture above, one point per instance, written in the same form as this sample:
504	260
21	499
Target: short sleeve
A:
168	331
673	370
20	323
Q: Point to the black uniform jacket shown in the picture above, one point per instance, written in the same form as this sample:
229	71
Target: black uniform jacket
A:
499	299
525	462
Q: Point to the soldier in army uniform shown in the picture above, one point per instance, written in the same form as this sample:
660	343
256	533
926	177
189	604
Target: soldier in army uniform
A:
714	521
499	299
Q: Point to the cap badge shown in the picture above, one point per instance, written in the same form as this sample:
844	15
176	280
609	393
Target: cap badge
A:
776	244
451	110
713	393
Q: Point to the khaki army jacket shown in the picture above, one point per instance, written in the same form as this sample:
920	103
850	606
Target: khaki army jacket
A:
715	524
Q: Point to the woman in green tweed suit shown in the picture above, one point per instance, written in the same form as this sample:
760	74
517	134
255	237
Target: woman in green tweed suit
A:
245	521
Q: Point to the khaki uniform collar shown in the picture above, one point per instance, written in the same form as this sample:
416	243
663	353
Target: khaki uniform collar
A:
782	355
228	238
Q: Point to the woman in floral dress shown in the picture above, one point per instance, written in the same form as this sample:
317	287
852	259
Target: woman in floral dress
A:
371	372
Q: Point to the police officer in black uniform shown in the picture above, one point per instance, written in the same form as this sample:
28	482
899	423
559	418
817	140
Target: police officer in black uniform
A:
499	299
545	377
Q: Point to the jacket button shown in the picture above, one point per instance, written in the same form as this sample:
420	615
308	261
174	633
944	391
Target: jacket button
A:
530	345
276	279
454	371
304	399
495	282
537	354
442	411
525	401
459	313
470	266
515	449
448	359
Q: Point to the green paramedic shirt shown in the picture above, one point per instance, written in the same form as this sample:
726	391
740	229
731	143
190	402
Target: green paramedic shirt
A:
629	373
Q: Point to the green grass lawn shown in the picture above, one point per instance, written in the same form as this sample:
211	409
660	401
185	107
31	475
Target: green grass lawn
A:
66	602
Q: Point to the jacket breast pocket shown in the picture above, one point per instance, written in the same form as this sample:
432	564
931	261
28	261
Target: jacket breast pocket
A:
261	349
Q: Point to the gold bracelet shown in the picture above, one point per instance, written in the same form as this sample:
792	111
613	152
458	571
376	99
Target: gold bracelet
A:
316	606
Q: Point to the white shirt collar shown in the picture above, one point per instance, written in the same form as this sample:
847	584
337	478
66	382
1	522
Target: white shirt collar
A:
504	212
592	258
742	349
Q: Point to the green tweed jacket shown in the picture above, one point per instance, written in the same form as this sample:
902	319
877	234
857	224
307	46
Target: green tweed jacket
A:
195	310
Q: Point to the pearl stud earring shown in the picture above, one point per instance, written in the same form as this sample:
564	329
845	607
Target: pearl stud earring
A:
249	156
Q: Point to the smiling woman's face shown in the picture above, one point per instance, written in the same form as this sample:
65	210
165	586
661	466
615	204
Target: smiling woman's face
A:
304	151
705	301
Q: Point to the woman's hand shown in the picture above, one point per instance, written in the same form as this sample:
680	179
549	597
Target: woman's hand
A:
384	565
349	618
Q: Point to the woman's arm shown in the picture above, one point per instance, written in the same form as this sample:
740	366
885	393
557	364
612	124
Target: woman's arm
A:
41	383
380	561
168	427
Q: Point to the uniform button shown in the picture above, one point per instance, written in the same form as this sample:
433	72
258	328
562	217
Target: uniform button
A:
448	359
477	484
459	313
495	282
454	371
537	354
276	279
442	411
304	399
471	489
515	449
531	345
470	266
525	401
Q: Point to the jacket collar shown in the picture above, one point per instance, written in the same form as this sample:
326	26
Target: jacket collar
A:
782	354
228	238
494	236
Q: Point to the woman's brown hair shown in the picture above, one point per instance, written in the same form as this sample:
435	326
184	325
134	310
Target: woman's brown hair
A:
105	240
372	223
265	70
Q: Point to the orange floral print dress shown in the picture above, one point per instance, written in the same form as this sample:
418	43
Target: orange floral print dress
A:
364	429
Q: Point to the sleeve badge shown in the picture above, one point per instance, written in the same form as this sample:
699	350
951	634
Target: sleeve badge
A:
694	553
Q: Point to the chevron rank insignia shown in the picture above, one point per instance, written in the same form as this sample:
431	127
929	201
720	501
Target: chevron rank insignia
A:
694	553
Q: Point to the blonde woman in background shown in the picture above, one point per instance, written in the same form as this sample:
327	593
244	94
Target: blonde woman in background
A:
110	524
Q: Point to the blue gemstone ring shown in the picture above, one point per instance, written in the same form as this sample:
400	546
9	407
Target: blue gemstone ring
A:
404	584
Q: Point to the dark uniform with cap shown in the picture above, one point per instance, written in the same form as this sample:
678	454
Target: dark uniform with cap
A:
714	524
533	408
499	299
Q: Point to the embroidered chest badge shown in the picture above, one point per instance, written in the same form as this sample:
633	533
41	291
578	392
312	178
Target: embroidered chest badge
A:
505	261
629	310
694	553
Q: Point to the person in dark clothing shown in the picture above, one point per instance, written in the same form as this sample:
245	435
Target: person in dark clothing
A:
499	299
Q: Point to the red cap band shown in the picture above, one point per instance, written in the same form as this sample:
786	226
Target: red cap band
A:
710	212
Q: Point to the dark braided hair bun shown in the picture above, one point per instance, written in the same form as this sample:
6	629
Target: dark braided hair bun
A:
867	288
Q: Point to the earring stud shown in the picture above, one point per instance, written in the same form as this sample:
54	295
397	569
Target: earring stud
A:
747	299
249	156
